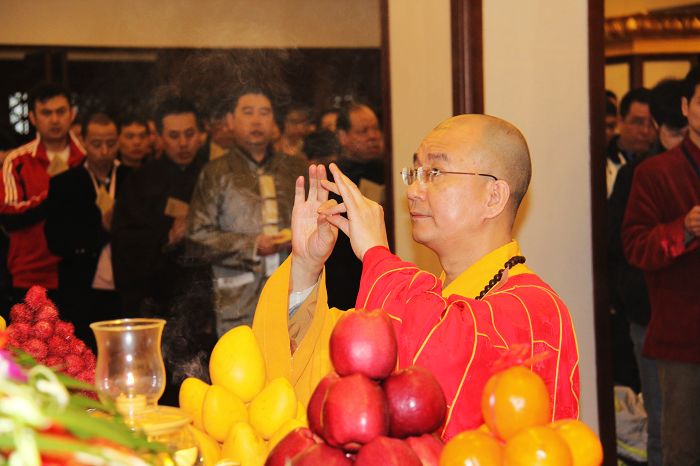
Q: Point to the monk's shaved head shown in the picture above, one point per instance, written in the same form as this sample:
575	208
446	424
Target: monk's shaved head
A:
491	145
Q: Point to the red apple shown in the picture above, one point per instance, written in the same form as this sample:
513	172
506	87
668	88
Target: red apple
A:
428	447
321	454
387	452
314	412
354	412
364	342
416	402
292	444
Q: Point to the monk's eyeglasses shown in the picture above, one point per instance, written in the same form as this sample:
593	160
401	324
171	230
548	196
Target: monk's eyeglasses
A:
427	175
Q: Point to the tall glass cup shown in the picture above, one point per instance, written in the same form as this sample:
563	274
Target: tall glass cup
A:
130	369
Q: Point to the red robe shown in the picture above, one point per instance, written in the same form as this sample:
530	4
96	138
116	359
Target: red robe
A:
459	338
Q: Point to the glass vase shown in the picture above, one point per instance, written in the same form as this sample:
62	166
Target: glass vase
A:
130	369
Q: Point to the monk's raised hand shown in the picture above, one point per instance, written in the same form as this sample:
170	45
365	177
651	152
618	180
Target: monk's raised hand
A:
313	237
364	224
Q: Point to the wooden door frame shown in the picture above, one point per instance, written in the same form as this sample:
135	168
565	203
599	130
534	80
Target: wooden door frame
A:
467	56
468	97
601	308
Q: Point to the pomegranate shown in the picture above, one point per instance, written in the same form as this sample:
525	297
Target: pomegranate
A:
428	448
321	454
416	402
364	342
387	452
291	445
315	409
354	412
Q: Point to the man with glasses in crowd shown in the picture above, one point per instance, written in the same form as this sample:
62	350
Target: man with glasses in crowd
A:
637	133
361	159
469	176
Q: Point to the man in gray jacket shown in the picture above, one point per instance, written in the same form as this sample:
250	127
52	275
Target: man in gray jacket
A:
240	209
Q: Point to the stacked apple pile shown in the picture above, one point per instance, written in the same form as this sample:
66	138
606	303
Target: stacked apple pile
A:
239	416
36	329
365	413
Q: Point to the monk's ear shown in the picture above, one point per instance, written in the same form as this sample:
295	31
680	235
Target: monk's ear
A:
499	194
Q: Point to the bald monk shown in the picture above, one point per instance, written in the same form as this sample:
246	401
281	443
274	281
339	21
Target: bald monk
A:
468	178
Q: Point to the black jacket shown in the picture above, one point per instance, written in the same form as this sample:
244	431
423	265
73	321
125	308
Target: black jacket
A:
343	268
147	271
627	286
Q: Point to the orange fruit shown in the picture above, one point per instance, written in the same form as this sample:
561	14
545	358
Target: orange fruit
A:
583	442
472	447
537	446
513	400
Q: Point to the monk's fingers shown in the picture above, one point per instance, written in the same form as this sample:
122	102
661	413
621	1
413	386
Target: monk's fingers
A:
299	194
332	208
339	222
351	194
330	186
322	195
313	182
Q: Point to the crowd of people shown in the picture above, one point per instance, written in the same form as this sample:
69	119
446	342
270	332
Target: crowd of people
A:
653	184
190	219
171	214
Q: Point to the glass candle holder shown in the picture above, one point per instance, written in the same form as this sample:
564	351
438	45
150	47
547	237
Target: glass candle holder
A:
130	369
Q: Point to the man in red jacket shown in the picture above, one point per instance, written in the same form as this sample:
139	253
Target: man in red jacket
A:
660	236
24	186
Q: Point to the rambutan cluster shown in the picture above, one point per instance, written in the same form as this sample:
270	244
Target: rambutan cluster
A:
35	327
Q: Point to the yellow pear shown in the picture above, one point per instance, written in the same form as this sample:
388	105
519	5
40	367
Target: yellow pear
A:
274	405
244	446
220	410
301	414
191	398
282	432
209	448
237	363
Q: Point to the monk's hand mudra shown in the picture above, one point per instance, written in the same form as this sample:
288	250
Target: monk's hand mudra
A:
313	237
364	224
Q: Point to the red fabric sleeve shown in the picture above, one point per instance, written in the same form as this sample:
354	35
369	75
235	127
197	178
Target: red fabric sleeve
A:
651	243
459	339
22	192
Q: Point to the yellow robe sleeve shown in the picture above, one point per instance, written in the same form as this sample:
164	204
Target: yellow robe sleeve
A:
311	361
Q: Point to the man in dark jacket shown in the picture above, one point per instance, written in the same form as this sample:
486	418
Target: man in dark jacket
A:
78	222
149	222
362	160
151	269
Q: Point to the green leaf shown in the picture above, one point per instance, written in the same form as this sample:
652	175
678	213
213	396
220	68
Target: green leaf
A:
75	384
85	426
85	402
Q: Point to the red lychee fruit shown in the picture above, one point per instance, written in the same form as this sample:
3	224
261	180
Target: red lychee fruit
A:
74	364
21	313
63	328
36	297
89	359
53	361
57	346
77	347
13	342
87	376
42	330
36	348
19	331
48	313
